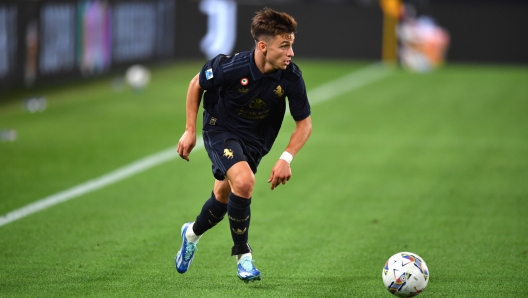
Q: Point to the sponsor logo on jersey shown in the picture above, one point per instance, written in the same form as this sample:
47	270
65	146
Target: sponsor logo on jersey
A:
254	111
257	104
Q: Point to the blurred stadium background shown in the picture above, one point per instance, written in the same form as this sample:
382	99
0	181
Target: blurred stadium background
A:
48	41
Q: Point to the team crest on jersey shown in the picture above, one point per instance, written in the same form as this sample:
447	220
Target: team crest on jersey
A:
279	91
244	81
228	153
243	90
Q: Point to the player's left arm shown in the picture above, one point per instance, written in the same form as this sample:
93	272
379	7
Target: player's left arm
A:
281	172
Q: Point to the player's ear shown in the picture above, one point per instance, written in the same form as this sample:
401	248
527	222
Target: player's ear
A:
262	46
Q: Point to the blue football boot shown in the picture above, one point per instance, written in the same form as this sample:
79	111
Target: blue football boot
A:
185	255
246	271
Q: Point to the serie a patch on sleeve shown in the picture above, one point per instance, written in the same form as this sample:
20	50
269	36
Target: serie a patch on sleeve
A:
209	74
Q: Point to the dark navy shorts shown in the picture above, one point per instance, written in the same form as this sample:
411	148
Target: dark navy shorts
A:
226	149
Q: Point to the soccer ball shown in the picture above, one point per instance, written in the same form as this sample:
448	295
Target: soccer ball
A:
137	76
405	274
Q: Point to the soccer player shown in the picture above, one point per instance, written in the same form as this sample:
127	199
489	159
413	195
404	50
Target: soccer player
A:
244	100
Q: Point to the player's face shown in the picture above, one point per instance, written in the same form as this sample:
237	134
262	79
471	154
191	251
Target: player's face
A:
280	51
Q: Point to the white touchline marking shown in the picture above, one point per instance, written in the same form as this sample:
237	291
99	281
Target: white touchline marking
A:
350	82
320	94
94	184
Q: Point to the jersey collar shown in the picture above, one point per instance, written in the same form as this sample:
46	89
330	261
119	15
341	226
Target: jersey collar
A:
257	75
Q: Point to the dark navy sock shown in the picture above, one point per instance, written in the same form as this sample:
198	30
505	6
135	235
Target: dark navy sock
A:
239	212
212	213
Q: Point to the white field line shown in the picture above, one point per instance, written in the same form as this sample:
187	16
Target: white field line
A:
320	94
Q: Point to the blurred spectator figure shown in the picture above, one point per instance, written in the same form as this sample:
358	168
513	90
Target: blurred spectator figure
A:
32	43
94	37
423	44
417	43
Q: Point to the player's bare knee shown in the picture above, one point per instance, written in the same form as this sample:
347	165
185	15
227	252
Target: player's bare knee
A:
243	186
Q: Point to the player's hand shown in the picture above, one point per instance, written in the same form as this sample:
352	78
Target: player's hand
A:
280	174
186	144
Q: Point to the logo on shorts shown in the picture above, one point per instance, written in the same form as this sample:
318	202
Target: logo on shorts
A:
228	153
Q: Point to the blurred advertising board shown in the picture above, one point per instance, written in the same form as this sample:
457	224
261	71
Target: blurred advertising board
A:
42	41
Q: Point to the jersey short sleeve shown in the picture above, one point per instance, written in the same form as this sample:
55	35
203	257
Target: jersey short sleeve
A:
297	97
211	75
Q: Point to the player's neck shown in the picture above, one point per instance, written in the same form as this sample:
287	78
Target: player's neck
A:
262	64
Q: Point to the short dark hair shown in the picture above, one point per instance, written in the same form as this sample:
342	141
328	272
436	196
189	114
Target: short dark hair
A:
270	23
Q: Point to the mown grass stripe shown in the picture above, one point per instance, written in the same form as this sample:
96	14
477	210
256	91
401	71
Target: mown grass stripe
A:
347	83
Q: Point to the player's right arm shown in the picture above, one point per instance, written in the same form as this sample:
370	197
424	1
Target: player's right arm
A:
192	105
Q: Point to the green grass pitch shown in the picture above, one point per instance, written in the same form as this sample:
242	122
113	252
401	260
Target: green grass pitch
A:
435	164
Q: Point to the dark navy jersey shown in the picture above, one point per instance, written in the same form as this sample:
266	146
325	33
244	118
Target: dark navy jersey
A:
240	99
